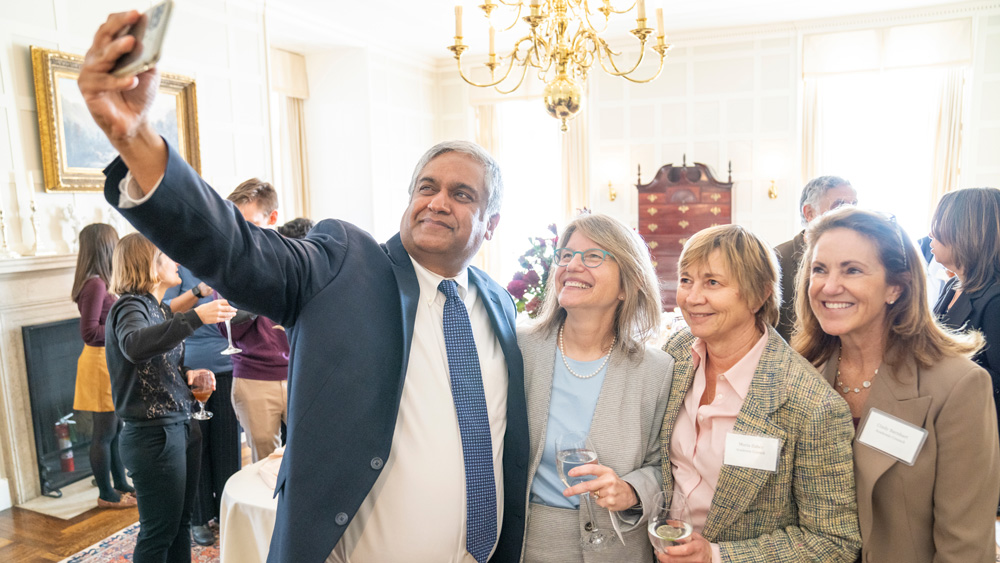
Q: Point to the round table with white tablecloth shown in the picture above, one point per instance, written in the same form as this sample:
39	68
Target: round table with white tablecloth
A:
247	515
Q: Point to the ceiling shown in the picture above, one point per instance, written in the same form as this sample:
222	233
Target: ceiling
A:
423	28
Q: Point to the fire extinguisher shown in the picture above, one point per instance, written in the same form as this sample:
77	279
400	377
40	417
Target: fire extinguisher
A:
66	462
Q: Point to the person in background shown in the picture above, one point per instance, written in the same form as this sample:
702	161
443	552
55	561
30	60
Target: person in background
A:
758	444
296	228
865	323
93	383
145	349
220	435
818	196
588	369
260	371
937	275
965	235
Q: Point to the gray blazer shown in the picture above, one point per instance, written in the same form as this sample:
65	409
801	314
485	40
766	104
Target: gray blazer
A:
626	433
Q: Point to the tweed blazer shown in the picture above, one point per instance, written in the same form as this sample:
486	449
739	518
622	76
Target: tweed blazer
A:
625	432
942	508
806	511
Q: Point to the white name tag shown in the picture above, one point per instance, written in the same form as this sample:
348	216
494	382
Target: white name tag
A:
755	452
892	436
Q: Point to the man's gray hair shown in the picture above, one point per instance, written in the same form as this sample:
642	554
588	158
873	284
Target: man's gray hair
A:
815	189
492	178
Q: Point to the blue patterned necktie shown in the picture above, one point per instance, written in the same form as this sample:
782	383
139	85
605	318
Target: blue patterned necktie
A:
473	424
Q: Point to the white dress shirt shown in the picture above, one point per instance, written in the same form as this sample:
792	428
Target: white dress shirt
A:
416	510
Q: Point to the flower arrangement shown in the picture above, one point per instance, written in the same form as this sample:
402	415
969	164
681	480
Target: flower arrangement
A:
528	285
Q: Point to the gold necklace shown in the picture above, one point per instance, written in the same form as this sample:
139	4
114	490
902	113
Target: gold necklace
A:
845	389
562	352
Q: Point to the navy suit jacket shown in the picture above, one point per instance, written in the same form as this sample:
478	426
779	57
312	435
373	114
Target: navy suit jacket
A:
349	305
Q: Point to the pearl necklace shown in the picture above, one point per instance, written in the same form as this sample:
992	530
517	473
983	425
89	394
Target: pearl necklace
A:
562	352
845	389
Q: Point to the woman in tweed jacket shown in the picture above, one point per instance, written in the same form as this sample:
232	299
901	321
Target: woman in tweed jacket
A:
587	368
864	320
737	380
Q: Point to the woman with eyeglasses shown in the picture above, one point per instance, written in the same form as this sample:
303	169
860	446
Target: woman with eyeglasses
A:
926	453
588	368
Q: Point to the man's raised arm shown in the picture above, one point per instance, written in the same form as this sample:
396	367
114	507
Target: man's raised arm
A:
120	105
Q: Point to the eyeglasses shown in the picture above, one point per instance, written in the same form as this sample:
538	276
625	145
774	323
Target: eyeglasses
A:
592	257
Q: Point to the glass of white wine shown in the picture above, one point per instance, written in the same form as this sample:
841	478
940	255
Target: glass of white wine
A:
230	350
574	449
669	520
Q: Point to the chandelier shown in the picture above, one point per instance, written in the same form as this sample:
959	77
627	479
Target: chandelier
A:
561	43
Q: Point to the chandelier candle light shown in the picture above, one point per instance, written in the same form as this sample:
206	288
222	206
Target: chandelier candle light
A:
561	44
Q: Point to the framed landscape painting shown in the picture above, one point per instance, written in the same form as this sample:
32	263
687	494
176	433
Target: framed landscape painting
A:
74	149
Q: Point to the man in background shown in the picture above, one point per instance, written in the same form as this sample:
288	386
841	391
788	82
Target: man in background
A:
819	196
260	371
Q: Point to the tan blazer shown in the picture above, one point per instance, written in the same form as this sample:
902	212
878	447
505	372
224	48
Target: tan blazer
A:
943	508
806	511
626	434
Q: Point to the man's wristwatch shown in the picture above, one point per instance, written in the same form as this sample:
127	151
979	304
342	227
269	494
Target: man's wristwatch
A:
196	291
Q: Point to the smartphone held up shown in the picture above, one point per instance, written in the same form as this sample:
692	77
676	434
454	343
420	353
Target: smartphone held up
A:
149	32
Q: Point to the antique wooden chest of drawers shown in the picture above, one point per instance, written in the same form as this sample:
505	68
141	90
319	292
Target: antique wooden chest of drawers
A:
680	201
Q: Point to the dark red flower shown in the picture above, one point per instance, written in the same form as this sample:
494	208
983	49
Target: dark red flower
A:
531	278
532	307
517	288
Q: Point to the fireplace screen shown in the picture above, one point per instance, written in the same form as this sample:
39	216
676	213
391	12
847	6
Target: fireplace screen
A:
61	444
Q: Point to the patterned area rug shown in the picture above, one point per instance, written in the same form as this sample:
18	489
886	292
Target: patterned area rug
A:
119	547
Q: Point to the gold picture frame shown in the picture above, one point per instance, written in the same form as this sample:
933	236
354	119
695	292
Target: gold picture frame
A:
74	149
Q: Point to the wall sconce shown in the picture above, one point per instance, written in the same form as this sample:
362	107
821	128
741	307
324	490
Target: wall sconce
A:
612	192
772	192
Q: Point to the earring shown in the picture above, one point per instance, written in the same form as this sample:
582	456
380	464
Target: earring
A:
893	302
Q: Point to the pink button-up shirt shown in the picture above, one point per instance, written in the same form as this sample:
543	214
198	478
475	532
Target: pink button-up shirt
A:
698	443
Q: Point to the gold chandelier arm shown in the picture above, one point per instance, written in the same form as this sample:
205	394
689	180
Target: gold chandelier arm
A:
524	72
590	25
517	16
615	71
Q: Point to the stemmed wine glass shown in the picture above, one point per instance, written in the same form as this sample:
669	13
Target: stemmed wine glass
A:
574	449
202	390
669	520
230	350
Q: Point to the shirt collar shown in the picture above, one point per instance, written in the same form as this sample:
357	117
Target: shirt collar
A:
429	282
741	374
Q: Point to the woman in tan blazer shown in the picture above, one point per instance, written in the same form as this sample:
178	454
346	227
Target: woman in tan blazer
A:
587	368
864	320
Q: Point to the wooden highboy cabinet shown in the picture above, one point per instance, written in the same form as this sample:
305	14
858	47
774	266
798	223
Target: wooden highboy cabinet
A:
680	201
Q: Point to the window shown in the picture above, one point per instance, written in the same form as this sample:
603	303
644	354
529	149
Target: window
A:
529	154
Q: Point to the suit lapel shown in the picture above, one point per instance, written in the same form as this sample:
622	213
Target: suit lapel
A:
896	393
609	402
409	296
738	486
680	349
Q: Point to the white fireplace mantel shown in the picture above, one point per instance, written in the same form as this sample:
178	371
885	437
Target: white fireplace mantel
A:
33	290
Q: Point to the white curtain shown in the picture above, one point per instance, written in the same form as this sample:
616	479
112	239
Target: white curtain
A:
488	137
575	169
812	149
948	139
297	166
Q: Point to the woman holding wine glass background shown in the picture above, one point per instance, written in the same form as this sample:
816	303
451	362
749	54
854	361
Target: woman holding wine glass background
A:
160	446
588	370
758	444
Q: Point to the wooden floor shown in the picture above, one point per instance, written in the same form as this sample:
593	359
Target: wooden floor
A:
27	536
30	537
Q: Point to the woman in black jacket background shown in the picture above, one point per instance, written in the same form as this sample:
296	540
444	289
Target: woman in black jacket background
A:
145	351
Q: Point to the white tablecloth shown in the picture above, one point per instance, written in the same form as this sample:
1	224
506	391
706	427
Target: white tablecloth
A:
247	519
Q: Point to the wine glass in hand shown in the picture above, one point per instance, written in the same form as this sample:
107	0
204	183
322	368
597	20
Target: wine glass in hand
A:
669	521
202	384
230	350
574	449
